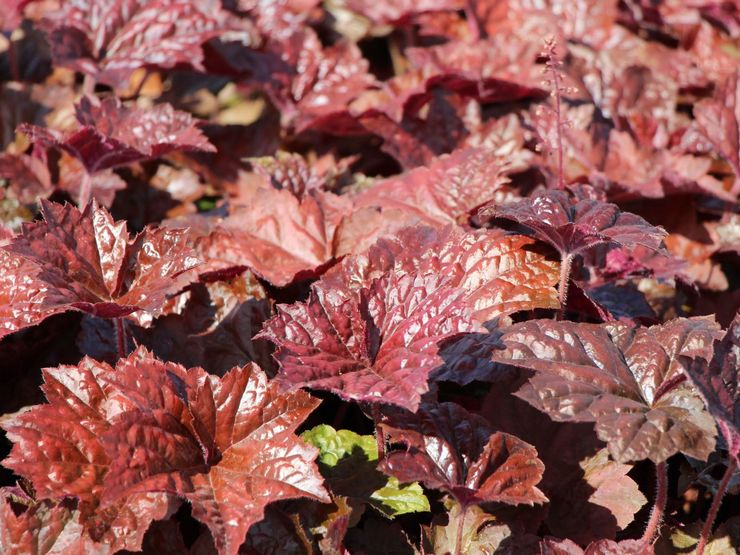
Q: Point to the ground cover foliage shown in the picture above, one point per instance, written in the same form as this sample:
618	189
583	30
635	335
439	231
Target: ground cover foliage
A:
348	277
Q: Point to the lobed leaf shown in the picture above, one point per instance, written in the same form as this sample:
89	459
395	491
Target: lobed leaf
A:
447	448
627	380
110	39
573	225
112	135
85	261
377	345
717	382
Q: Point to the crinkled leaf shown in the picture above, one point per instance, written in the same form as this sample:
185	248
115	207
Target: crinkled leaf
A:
111	134
39	528
57	446
227	445
497	271
573	225
446	191
86	261
319	82
378	344
717	382
277	235
627	380
22	294
447	448
110	39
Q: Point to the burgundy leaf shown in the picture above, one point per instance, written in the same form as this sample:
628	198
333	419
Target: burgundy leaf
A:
108	40
227	445
377	345
86	261
22	294
629	381
717	382
573	225
111	134
450	449
277	235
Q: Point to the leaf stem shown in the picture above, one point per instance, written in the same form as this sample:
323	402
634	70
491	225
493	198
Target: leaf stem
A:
706	531
566	264
120	337
661	496
88	85
460	529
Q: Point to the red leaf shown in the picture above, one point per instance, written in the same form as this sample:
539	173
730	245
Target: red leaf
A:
86	261
109	40
719	121
574	223
626	380
227	445
57	447
469	69
398	11
277	235
447	191
450	449
37	528
496	271
377	345
320	83
717	382
112	135
22	294
27	176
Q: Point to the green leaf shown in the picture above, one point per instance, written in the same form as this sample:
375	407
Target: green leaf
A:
337	444
393	499
347	461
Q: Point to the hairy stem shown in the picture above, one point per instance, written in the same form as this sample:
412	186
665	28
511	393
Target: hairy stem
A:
460	529
120	337
552	67
566	264
661	495
706	532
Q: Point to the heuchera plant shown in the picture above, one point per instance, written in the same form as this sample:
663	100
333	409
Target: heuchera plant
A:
346	277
